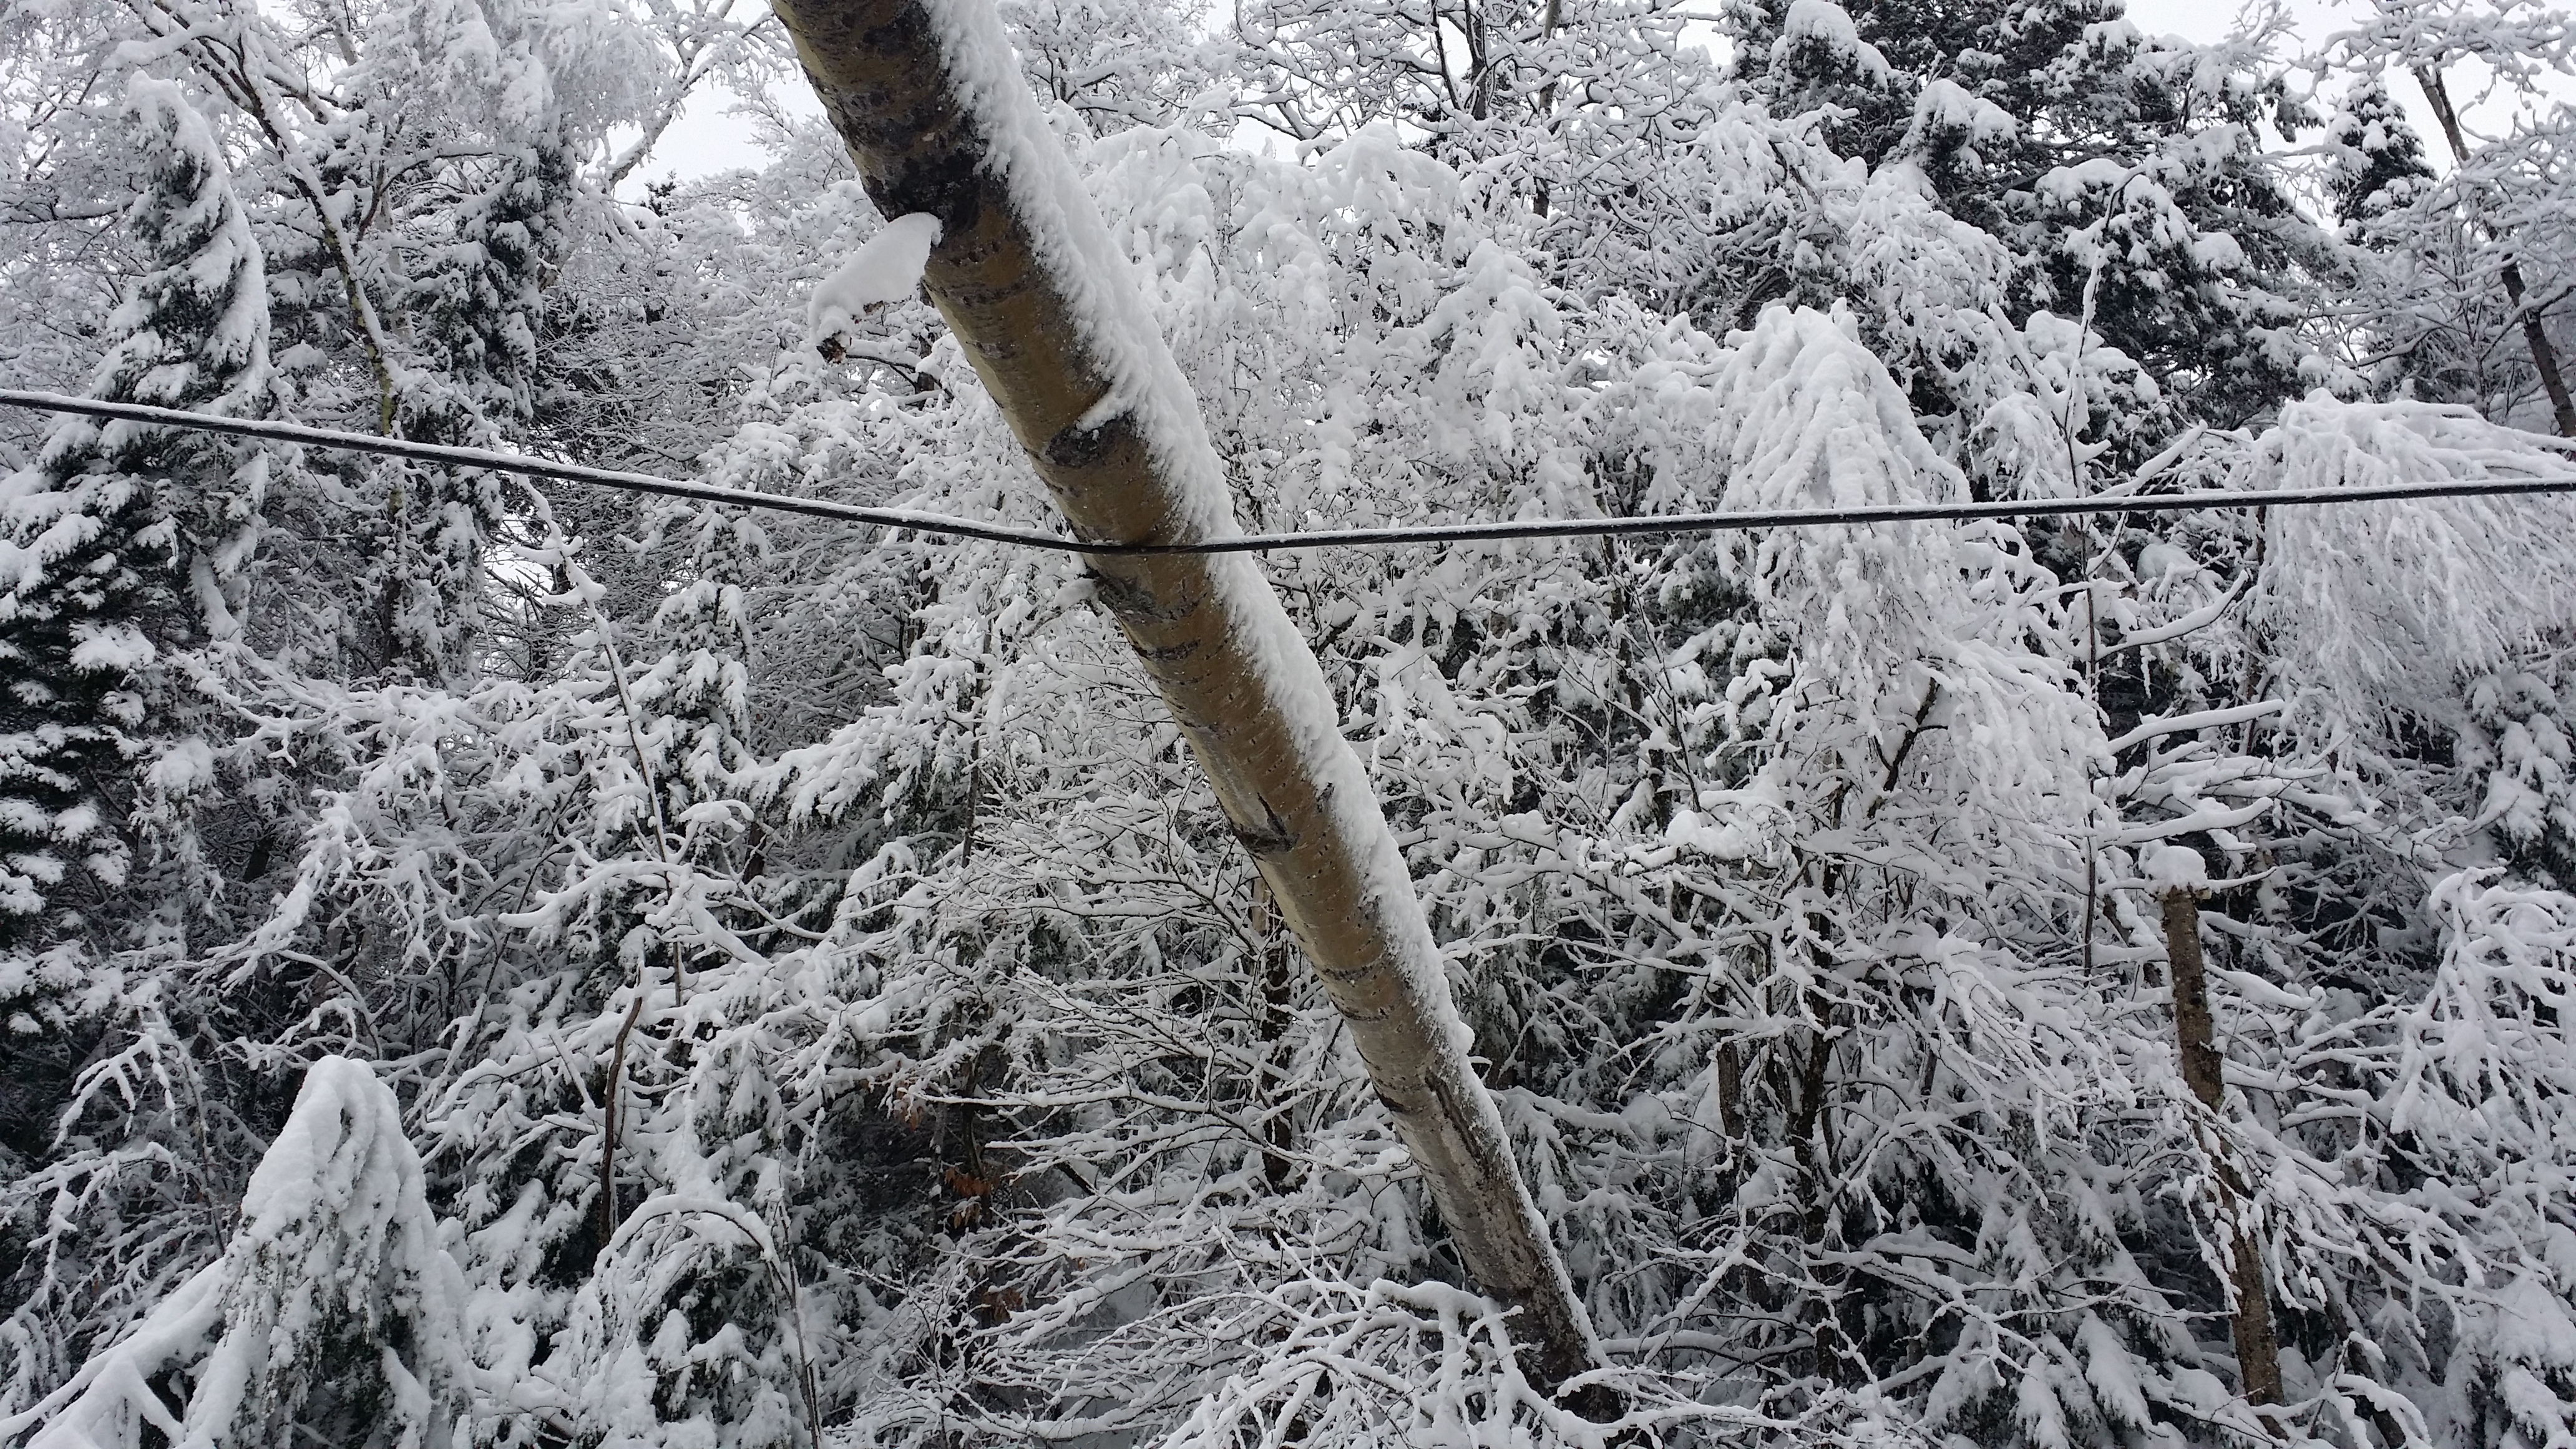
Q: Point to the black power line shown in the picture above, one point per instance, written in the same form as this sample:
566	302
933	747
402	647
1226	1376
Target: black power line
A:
1663	525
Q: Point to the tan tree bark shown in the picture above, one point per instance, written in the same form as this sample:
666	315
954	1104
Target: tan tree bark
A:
920	116
2258	1350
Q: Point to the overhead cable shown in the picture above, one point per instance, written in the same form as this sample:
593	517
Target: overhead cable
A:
1653	525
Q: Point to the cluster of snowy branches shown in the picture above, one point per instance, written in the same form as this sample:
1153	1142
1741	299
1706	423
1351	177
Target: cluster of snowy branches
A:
505	964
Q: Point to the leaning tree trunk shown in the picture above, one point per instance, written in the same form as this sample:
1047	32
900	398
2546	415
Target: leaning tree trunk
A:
929	99
2544	356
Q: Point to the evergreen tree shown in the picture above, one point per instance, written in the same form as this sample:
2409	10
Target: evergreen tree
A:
333	1312
2376	164
131	545
474	308
2125	173
133	554
2476	264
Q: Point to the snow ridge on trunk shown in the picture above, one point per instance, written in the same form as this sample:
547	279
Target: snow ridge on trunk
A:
929	99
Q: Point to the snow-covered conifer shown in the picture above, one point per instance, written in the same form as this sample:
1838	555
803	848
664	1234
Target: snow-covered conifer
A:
2475	264
124	542
333	1312
2124	171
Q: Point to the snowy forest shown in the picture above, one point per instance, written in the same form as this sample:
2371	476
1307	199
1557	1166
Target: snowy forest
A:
489	962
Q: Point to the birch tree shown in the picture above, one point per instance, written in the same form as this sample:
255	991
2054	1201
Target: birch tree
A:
1025	276
818	993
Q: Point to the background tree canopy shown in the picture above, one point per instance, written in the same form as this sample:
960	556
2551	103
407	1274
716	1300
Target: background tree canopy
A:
503	963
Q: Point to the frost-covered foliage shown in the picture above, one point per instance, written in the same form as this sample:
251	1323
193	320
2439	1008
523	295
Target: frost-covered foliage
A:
496	965
2460	266
2123	173
333	1311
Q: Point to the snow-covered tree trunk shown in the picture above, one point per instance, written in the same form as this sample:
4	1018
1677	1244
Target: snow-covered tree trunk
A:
932	106
2544	355
2258	1348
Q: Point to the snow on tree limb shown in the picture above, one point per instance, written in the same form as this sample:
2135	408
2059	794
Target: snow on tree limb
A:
336	1249
935	112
